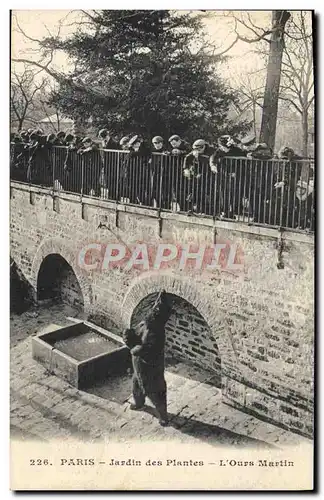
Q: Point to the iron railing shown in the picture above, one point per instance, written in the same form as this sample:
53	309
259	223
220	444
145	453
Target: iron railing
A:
275	193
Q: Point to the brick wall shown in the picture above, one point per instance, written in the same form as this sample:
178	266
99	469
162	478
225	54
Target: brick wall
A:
261	321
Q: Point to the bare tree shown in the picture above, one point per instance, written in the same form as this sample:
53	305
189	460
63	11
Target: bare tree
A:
24	92
288	55
250	90
50	112
45	50
272	87
297	77
274	36
297	84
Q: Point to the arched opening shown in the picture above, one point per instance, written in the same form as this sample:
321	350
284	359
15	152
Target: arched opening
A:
20	290
188	336
57	280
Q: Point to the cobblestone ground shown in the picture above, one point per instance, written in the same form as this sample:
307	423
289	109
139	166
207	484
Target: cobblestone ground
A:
44	407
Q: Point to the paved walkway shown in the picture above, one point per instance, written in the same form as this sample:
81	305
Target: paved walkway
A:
44	407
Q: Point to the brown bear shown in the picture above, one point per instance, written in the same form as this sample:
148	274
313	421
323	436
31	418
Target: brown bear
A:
146	343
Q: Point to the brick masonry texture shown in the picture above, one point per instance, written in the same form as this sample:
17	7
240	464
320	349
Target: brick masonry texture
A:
256	327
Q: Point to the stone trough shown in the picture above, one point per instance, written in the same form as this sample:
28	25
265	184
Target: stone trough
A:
81	354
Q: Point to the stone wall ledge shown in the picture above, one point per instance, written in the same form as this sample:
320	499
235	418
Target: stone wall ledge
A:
205	221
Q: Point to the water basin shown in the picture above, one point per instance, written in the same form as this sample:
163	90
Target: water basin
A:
81	353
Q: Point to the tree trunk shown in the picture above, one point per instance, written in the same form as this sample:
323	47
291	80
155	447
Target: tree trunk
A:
254	119
305	133
58	121
78	128
305	167
271	93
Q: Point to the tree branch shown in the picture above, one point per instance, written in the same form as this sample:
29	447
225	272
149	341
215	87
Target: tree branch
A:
288	99
228	48
258	37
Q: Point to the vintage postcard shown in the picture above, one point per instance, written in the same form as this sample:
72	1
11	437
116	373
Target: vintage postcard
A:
162	220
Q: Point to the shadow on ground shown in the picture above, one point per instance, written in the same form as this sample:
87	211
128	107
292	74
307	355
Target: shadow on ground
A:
213	434
119	389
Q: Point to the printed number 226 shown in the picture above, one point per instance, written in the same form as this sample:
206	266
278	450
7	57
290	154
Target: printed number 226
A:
39	461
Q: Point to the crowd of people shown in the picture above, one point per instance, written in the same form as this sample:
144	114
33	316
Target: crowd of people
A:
225	144
201	177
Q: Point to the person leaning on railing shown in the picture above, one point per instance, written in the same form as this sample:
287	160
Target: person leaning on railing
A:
46	153
16	158
34	165
196	172
227	176
296	190
177	148
258	175
21	155
59	139
123	143
160	179
247	145
91	167
134	168
106	139
108	175
70	178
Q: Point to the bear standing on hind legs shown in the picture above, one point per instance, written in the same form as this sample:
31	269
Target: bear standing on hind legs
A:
146	343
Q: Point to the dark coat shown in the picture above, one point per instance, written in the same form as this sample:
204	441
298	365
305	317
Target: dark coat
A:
184	148
109	144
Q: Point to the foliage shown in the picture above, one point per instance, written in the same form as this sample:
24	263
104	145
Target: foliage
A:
145	71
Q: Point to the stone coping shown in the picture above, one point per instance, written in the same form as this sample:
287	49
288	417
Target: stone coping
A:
200	220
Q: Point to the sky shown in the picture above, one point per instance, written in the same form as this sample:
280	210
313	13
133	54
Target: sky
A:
243	64
38	23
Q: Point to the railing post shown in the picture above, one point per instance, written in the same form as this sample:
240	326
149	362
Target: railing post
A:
117	178
82	175
161	184
312	212
53	167
215	185
282	195
29	168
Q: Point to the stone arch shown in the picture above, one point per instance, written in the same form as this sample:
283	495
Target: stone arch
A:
57	280
190	292
52	246
188	337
